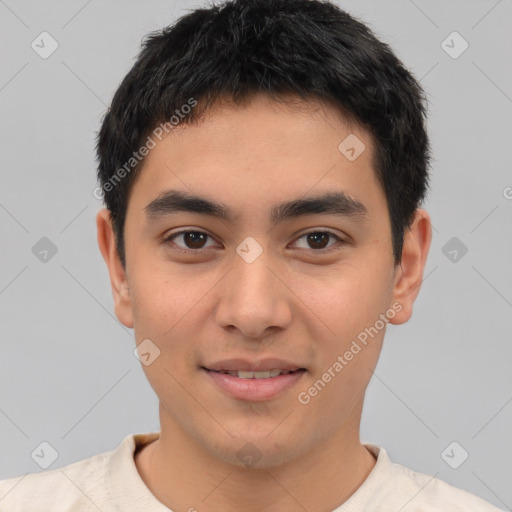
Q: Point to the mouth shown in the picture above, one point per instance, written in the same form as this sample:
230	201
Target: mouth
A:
269	374
256	386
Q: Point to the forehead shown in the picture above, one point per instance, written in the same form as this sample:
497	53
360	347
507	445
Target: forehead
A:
258	154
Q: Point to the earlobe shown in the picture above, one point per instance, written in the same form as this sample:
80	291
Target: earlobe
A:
118	279
409	273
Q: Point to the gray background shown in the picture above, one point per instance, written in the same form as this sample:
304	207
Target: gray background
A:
68	375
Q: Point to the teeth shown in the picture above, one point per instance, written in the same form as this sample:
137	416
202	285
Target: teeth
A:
253	375
256	375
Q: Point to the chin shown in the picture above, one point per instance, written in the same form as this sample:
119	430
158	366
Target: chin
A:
256	452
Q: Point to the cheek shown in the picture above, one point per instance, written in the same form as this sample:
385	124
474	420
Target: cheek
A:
160	315
166	317
349	327
163	299
345	303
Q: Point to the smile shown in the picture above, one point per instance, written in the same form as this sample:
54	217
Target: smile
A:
255	375
253	386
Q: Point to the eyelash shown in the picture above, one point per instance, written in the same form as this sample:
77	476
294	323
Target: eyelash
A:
169	240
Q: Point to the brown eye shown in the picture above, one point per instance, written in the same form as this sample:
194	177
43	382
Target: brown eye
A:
192	240
319	240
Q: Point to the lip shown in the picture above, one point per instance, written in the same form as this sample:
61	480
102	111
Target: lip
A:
263	365
254	389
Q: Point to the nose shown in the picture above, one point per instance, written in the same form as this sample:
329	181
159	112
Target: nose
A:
254	298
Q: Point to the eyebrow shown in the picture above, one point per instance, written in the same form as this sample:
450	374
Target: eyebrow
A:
330	203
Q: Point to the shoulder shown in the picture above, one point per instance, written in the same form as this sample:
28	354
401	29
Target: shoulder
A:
420	492
76	486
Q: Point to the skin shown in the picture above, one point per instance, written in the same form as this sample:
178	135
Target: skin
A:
292	302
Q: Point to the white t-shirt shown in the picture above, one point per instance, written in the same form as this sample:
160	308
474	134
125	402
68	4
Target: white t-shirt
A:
110	482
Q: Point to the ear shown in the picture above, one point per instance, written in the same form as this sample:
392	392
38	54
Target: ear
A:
118	281
409	273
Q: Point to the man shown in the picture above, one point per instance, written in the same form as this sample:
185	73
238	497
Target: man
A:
262	164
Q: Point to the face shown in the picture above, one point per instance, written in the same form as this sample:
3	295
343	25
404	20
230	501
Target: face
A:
260	287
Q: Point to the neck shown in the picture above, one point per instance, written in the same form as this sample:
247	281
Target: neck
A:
184	476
